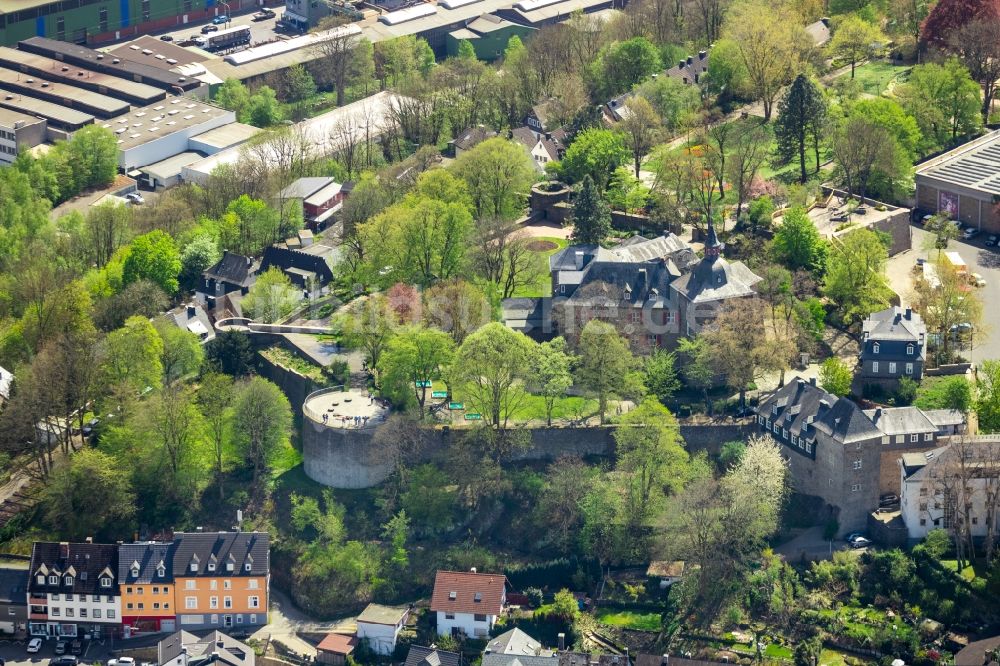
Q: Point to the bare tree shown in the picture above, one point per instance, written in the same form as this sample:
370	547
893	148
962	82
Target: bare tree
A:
503	257
641	128
860	147
341	56
749	150
978	45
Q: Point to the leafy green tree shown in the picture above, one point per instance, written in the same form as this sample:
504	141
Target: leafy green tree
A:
230	353
855	275
591	217
262	421
602	534
942	232
890	115
605	361
865	151
565	606
596	153
249	226
674	101
132	358
466	50
731	453
855	39
937	543
263	109
395	533
494	363
271	297
413	356
93	152
727	75
624	64
697	367
797	243
499	175
153	257
808	651
196	257
835	377
558	509
90	495
234	96
215	397
428	499
801	115
182	352
456	307
943	99
298	83
369	324
552	373
944	393
641	128
661	376
988	401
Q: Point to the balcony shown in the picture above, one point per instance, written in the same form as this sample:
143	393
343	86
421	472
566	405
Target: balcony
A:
38	616
38	599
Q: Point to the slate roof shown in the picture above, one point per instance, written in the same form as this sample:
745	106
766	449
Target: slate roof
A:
232	268
192	318
525	135
338	644
213	647
900	420
472	137
86	563
690	72
378	614
303	188
714	278
945	417
514	642
201	548
425	656
458	591
498	659
974	654
14	583
286	259
813	409
917	462
148	556
894	323
819	31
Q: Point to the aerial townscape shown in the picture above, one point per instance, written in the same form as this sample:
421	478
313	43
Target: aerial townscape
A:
499	333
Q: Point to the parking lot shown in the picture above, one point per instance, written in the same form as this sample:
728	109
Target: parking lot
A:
14	653
981	259
260	31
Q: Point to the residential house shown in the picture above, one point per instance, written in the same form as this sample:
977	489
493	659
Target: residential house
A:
947	421
539	118
380	627
431	656
233	274
192	318
516	648
221	579
186	649
701	292
73	590
934	488
14	595
837	451
819	31
146	583
985	652
334	649
542	147
469	139
468	603
688	71
893	345
318	198
307	268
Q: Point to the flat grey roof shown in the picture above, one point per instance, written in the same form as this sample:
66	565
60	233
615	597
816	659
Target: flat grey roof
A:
173	114
227	135
55	70
975	165
107	105
8	118
172	166
150	51
55	113
557	10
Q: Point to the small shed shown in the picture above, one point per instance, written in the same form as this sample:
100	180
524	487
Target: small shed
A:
666	571
334	649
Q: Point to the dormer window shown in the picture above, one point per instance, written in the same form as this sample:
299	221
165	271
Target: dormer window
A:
161	571
68	580
247	567
452	595
774	409
909	350
875	348
53	580
229	566
211	566
105	581
194	567
135	572
41	579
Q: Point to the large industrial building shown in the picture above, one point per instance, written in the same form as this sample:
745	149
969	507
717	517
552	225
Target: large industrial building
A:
964	183
18	131
101	21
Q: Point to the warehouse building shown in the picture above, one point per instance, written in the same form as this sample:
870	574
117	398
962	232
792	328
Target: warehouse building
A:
964	183
488	35
61	120
18	132
113	64
87	101
100	21
61	72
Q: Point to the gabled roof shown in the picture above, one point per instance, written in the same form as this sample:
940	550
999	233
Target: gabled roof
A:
232	268
147	558
14	583
297	260
497	659
303	188
467	592
425	656
896	324
215	647
838	418
86	563
514	642
819	31
945	417
473	137
199	549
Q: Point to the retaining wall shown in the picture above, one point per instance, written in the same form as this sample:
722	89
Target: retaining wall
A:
295	386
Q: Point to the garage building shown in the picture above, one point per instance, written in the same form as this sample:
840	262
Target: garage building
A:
964	183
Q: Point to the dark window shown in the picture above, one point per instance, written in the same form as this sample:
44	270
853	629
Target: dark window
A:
145	10
187	5
103	19
61	29
480	617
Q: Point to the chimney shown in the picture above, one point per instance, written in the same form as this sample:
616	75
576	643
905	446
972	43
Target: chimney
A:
562	641
878	413
909	314
191	311
578	256
665	660
690	59
89	539
64	550
249	262
681	63
702	55
642	276
473	570
825	21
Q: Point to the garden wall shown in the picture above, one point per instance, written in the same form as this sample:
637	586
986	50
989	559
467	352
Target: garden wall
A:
295	386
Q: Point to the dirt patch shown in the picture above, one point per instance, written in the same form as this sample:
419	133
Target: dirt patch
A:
542	245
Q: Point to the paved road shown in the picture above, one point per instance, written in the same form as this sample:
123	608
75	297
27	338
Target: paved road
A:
13	653
980	259
260	31
286	621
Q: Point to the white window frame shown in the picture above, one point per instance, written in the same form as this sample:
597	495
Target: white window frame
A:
909	350
253	601
909	368
191	603
857	464
892	367
914	438
875	347
875	366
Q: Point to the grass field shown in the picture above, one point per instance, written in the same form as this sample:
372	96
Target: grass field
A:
547	246
968	573
625	619
876	76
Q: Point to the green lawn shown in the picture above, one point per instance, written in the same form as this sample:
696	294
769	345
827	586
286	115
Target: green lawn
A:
876	76
968	573
543	285
532	407
626	619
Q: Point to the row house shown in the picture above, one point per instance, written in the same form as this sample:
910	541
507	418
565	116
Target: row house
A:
73	590
147	585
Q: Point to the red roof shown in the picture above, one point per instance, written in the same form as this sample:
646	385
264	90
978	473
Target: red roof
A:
338	644
458	591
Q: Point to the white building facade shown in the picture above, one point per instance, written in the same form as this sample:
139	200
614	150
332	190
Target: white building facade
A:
468	603
73	590
380	627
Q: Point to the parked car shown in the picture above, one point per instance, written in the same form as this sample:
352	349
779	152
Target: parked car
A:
852	536
925	219
122	661
34	645
977	280
209	28
969	232
166	38
888	500
860	542
60	647
220	19
992	240
135	198
76	647
839	217
264	15
65	660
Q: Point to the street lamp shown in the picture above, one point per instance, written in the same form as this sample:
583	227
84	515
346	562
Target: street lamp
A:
229	15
